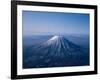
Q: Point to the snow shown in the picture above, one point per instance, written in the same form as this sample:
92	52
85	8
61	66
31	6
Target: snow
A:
54	38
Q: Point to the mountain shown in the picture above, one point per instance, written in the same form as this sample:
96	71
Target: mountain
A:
56	52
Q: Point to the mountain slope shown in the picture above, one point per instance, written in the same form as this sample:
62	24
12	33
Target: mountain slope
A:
56	52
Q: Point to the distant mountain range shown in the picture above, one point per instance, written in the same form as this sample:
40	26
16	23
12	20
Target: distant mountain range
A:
56	52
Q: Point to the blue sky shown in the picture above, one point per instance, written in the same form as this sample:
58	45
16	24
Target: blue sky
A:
41	23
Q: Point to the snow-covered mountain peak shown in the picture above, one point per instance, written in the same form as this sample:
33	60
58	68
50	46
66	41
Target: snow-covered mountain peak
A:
54	38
